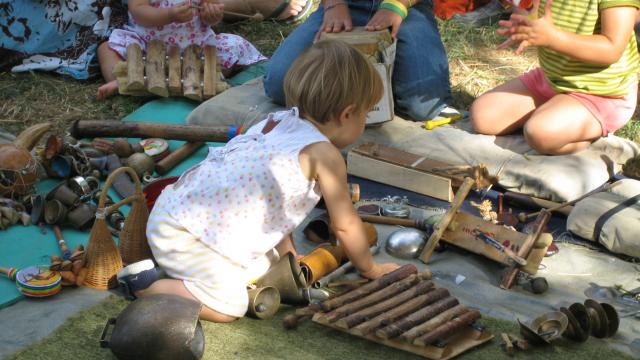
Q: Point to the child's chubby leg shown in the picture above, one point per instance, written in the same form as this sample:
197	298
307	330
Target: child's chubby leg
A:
176	287
107	58
562	125
502	110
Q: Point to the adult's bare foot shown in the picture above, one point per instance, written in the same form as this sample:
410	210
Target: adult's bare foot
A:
293	9
107	90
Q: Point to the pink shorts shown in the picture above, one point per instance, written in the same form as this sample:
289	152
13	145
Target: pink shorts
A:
612	112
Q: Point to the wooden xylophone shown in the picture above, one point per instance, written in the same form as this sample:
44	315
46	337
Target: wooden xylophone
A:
194	74
404	310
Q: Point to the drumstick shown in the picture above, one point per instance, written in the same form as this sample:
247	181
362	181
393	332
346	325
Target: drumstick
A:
254	17
66	254
9	273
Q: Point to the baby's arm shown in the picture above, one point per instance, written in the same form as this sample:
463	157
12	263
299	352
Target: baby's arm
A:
605	48
331	174
146	15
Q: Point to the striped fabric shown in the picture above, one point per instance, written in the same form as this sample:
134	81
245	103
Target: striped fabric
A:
569	75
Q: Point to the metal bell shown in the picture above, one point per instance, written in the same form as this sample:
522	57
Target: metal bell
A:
287	277
159	326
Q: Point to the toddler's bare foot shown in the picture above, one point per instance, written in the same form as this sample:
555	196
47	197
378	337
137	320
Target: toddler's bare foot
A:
107	90
293	9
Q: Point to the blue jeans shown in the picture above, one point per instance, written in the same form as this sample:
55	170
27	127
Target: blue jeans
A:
421	70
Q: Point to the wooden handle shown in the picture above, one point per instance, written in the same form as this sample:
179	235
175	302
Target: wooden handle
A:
64	249
165	165
440	228
534	202
192	133
533	234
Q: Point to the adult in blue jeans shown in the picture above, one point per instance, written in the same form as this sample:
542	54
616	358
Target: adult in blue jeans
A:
421	70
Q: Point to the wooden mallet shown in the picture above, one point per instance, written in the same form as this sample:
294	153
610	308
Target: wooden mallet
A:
523	217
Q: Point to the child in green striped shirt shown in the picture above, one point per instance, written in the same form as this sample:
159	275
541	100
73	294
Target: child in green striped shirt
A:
586	85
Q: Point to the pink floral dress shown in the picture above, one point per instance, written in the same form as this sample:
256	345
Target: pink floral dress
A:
233	50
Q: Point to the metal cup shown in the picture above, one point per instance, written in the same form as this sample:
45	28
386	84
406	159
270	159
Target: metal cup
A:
82	216
54	212
64	194
61	166
37	208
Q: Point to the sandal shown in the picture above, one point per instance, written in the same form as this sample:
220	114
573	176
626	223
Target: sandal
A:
269	9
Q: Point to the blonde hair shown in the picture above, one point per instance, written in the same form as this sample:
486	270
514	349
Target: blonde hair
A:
328	77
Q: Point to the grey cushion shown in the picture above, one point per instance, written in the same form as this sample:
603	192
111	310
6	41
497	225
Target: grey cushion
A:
559	178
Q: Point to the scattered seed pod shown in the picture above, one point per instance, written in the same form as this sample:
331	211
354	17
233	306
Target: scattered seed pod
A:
66	265
77	266
80	277
68	278
55	266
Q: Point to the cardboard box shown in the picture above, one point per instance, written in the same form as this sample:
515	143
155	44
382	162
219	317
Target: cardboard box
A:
380	49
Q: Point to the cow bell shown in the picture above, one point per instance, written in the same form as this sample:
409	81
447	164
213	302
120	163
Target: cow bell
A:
287	277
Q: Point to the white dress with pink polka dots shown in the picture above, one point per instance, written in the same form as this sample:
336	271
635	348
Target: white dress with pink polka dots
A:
233	50
213	227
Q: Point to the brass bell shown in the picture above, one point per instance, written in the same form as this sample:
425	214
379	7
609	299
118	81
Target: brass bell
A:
287	277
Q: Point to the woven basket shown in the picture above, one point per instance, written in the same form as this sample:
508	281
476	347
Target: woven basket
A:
133	237
102	257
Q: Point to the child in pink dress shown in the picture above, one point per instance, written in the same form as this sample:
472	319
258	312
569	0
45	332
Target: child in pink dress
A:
175	22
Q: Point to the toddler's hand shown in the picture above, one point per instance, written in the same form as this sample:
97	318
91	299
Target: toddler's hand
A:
211	13
379	269
181	13
384	19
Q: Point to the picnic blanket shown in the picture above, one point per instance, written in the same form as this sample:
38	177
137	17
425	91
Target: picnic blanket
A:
60	36
559	178
22	246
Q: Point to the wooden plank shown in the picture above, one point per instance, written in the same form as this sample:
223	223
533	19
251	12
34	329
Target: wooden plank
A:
399	176
446	219
175	71
155	68
192	73
455	345
120	72
460	233
210	72
406	159
135	68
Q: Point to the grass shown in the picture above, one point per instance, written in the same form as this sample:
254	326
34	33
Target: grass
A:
247	338
475	67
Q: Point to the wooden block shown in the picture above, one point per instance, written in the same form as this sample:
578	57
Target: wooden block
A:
455	345
360	36
407	159
192	73
460	233
120	72
155	68
396	175
175	71
209	88
135	68
508	345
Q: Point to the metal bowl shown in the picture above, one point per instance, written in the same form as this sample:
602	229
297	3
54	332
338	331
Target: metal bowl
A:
406	243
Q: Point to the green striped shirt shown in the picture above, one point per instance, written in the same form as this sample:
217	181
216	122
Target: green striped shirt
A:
567	74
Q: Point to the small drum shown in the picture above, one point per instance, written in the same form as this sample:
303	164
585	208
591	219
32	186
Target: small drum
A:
37	281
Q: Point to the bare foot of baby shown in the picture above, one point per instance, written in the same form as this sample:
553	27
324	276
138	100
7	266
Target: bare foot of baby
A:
293	9
107	90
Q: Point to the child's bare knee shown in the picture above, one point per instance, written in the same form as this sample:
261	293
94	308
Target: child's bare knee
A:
480	119
538	140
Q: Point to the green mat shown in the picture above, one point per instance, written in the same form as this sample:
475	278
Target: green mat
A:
248	338
22	246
